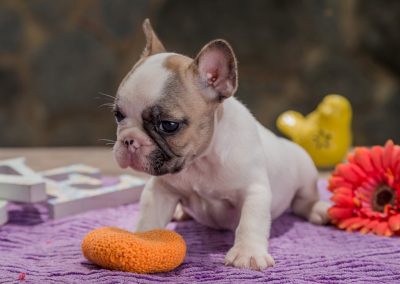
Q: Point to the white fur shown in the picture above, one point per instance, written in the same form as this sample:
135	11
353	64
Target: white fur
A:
245	178
139	90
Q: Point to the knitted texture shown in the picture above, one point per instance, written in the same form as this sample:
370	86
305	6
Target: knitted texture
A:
147	252
49	251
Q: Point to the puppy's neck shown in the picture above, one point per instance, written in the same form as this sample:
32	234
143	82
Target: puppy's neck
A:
218	125
226	117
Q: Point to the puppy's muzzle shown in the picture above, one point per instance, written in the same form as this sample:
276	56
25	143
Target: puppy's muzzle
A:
128	142
132	139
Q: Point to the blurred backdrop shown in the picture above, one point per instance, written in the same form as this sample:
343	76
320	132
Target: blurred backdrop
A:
57	56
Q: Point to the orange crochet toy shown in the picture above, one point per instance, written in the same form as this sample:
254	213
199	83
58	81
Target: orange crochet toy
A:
146	252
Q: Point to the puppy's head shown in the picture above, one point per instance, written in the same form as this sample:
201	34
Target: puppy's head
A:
165	106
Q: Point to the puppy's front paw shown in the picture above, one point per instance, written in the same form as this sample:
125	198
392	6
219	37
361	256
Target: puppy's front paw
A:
244	256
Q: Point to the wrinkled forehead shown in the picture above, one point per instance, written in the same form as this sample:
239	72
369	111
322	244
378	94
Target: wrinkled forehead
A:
144	85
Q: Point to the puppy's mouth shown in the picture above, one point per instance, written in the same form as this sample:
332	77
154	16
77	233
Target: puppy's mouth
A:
154	162
160	164
125	158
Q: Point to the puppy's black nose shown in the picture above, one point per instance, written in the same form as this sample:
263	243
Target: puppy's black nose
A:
128	142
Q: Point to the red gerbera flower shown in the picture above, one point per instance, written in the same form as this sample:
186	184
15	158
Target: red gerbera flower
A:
366	191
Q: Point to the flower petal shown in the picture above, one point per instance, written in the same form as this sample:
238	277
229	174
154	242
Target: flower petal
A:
338	181
343	190
336	212
382	229
389	178
363	159
369	227
344	224
376	157
359	224
387	155
350	158
397	170
359	172
395	158
394	222
348	173
343	200
366	192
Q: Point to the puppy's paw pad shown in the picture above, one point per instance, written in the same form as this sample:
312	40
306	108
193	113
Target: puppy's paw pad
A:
256	259
319	213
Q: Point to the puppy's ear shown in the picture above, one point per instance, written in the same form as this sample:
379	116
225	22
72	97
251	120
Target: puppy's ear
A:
153	44
216	67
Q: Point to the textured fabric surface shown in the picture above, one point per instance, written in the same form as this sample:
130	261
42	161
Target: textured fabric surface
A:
49	251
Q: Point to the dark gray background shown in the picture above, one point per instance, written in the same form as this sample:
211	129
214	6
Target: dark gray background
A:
57	55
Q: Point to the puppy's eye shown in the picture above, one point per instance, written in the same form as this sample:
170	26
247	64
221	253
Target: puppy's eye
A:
119	116
169	126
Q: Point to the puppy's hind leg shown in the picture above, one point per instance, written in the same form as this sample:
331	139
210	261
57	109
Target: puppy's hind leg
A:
306	204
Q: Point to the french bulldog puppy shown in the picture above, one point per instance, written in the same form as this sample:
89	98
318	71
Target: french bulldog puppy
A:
179	122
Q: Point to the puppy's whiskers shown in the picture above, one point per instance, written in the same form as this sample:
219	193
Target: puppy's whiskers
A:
108	96
109	142
110	105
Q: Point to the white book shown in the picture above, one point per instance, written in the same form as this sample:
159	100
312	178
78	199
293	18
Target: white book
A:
3	212
80	193
66	190
62	173
20	183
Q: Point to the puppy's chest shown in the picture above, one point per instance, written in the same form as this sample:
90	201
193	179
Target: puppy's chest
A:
211	200
210	187
207	179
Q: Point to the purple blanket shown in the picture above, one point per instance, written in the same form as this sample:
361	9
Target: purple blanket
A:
49	252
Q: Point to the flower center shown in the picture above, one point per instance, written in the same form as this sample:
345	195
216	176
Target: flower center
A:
383	196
